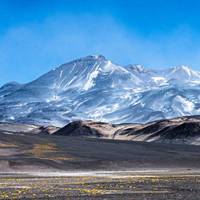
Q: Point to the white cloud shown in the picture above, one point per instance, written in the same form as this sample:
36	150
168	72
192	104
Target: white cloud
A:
30	50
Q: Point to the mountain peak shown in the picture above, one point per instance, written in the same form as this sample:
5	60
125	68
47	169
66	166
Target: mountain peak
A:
93	57
83	61
99	57
184	69
137	68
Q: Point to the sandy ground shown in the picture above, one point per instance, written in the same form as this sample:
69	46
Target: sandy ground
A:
60	167
19	153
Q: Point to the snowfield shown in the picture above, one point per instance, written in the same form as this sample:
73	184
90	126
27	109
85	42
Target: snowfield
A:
95	88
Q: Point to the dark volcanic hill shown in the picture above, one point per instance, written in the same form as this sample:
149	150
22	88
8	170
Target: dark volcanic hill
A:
177	130
36	148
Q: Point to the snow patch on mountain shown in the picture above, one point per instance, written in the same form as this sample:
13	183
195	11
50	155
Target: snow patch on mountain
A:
95	88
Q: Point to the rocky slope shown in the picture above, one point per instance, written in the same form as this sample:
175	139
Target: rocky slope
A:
25	129
178	130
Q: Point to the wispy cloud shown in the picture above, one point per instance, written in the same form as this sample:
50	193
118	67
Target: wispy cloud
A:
32	49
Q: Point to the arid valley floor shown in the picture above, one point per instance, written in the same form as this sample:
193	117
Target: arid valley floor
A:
101	186
41	166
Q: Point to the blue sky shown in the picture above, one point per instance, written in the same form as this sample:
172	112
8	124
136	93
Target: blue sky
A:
36	36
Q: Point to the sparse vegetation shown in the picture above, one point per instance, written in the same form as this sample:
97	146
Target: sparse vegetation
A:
48	151
40	150
127	187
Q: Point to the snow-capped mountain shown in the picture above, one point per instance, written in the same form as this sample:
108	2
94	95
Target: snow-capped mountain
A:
95	88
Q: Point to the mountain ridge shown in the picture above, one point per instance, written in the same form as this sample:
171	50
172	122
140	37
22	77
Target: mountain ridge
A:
181	130
94	88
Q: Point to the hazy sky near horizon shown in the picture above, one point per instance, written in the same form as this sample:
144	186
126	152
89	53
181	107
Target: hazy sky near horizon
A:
36	36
